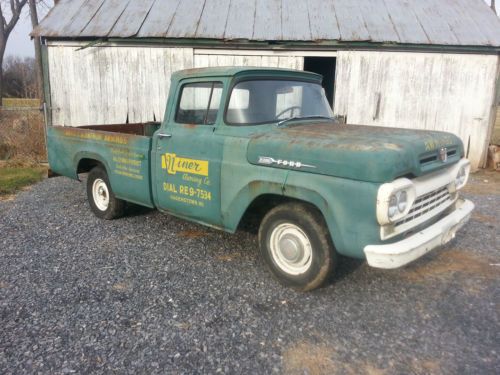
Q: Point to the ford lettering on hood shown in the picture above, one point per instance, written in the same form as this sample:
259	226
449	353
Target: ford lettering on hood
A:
365	153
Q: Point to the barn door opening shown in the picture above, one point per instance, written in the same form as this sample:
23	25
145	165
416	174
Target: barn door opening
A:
326	67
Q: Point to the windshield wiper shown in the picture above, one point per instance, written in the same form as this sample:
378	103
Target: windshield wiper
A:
281	122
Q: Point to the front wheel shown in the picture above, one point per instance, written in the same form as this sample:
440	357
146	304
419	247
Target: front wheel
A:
101	198
296	246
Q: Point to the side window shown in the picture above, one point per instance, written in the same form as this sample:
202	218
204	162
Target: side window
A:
199	103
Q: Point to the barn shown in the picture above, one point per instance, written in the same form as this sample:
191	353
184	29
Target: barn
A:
428	64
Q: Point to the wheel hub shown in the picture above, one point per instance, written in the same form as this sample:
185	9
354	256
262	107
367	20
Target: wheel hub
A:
291	249
100	194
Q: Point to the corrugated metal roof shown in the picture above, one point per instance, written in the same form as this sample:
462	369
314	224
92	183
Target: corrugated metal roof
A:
443	22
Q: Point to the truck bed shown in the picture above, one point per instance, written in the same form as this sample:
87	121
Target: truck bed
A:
123	149
145	129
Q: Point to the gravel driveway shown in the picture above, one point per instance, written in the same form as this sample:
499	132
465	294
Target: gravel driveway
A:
154	294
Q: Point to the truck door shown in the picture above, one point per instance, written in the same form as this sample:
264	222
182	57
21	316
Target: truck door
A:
188	152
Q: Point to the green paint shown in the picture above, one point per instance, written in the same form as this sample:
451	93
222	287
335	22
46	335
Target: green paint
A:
210	173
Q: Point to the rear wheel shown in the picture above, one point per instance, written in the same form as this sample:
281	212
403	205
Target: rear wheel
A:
296	246
101	198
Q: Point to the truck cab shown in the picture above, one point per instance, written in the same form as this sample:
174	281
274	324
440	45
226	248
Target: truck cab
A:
239	141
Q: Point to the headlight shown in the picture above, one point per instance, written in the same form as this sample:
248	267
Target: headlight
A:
398	202
393	206
461	177
394	200
402	201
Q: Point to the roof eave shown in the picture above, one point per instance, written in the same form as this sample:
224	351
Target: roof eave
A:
323	45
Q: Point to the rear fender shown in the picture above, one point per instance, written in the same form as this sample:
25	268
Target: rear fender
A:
79	156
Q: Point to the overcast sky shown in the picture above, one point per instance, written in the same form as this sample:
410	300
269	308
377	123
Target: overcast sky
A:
20	43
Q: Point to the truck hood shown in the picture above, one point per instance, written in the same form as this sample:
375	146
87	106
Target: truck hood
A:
365	153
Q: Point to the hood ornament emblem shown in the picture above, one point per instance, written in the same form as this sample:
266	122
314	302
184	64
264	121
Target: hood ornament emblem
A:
267	160
443	154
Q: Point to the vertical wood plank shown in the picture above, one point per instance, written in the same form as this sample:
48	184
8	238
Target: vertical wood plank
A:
447	92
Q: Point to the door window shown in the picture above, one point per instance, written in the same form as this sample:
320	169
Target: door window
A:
199	103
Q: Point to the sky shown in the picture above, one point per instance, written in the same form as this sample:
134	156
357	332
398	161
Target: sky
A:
20	44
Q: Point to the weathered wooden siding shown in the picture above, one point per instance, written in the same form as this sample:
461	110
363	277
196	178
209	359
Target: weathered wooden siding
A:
447	92
288	62
108	85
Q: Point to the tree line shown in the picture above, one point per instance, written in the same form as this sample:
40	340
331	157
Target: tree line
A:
20	78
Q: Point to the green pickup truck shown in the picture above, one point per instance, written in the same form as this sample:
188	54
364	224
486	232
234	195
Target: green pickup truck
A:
239	143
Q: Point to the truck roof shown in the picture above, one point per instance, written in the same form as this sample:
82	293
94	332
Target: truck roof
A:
227	71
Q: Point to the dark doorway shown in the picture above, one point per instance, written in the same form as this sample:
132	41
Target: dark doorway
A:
326	67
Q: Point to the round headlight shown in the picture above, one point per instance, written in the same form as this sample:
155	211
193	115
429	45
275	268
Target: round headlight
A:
461	177
393	206
402	198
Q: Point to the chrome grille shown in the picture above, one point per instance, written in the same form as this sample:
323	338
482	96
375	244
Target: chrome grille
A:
425	204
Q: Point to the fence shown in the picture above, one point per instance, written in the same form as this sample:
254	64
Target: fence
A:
22	134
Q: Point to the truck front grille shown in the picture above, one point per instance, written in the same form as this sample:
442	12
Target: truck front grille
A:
439	198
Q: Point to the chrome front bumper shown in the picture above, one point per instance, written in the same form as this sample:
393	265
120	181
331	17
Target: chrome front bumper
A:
398	254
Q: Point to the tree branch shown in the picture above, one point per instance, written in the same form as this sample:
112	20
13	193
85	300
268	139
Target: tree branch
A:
3	21
16	7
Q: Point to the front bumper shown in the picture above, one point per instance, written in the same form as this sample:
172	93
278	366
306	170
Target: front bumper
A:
399	253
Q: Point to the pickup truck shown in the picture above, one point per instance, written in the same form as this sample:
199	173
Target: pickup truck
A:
238	143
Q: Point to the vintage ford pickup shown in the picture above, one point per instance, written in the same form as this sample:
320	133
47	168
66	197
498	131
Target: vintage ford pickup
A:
262	143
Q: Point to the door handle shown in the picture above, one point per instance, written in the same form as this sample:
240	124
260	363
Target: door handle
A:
164	135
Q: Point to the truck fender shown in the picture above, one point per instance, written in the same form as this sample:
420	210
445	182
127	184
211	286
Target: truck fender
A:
256	189
79	156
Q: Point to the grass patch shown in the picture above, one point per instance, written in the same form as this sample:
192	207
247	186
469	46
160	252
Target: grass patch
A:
13	179
17	103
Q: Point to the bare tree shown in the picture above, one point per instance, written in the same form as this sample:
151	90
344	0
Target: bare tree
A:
20	78
38	52
493	6
6	27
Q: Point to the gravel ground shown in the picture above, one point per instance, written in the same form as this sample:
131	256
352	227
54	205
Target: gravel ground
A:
154	294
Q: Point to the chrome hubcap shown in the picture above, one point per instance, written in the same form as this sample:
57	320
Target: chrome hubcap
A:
291	249
100	194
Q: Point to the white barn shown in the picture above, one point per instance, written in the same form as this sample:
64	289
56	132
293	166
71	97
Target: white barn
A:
427	64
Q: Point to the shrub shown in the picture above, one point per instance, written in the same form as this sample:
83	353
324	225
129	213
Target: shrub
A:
22	137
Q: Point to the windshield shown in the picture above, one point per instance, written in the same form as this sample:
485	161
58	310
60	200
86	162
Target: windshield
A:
266	101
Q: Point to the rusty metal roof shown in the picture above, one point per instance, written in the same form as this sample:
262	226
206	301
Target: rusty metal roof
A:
427	22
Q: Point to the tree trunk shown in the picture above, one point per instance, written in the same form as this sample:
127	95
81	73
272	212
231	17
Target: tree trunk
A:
2	50
38	52
493	6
